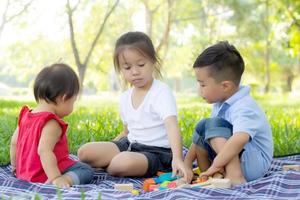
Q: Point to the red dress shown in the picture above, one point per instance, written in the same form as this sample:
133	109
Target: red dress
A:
28	163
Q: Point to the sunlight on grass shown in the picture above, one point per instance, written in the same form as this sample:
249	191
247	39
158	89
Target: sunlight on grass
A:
97	119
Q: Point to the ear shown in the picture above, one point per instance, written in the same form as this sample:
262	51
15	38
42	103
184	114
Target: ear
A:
227	85
61	98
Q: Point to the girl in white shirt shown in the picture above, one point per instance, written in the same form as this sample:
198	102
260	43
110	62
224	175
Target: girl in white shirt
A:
151	140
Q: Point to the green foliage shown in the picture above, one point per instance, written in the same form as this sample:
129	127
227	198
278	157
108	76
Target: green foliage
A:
194	26
100	121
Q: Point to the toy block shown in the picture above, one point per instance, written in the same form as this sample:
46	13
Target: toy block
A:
201	179
291	167
153	188
124	186
147	183
221	183
165	177
135	192
164	184
201	184
209	186
197	171
172	185
159	173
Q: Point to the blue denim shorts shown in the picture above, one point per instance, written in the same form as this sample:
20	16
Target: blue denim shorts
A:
80	173
253	164
209	128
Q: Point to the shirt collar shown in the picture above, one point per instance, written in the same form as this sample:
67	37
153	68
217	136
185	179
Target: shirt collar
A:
242	92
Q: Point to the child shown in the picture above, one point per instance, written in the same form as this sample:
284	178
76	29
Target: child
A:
237	139
150	141
39	150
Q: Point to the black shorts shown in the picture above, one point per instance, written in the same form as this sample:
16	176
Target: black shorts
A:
159	158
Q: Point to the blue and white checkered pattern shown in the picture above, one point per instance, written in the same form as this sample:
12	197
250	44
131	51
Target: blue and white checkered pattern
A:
277	184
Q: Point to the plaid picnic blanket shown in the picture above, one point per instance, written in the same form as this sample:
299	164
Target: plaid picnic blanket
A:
277	184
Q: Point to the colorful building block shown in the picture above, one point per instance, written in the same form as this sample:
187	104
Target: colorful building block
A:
291	167
124	186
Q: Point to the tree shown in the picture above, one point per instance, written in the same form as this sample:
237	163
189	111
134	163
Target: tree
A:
82	65
9	13
149	16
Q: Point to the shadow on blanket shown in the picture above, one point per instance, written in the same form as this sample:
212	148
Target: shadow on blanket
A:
277	184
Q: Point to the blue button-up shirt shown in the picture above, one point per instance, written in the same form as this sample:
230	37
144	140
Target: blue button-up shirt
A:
246	116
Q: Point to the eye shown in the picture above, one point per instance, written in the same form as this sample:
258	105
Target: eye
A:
141	64
126	67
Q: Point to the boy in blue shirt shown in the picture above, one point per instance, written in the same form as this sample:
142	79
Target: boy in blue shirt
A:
237	140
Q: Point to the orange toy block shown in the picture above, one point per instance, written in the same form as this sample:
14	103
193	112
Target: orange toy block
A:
147	183
201	179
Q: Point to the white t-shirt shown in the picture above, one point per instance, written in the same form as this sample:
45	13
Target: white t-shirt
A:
146	123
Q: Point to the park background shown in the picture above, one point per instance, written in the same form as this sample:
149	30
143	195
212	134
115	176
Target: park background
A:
37	33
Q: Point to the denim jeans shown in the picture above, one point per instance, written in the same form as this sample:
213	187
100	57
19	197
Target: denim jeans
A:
80	173
209	128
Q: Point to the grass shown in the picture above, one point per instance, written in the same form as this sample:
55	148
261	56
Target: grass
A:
98	120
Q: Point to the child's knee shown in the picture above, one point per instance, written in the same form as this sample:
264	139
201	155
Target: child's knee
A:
81	153
117	168
217	127
199	133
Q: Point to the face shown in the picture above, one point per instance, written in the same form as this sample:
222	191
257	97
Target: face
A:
65	107
210	90
136	68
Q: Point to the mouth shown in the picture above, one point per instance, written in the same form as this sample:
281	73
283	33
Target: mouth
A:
135	81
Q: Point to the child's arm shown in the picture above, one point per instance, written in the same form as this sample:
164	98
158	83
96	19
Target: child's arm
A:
124	133
50	135
13	144
190	157
178	165
232	148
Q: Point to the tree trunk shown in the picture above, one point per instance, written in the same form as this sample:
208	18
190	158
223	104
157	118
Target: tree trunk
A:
289	82
82	66
267	53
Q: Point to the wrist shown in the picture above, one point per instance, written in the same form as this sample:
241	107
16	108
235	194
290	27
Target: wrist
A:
55	177
177	158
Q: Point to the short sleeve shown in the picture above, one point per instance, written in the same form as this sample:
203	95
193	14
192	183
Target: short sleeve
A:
122	104
23	111
165	104
246	120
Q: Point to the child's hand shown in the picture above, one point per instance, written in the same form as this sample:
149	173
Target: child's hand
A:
180	169
211	171
13	170
61	182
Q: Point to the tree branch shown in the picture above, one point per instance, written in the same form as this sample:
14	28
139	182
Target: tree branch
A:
165	37
24	9
73	42
100	32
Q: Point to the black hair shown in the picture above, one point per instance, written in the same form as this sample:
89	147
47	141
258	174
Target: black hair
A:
224	62
140	42
56	80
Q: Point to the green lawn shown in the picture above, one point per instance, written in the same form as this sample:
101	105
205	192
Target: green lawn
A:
98	119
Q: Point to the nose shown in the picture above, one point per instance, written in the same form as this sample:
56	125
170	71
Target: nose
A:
134	70
200	91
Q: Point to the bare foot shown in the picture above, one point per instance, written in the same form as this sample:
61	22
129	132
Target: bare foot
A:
237	181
